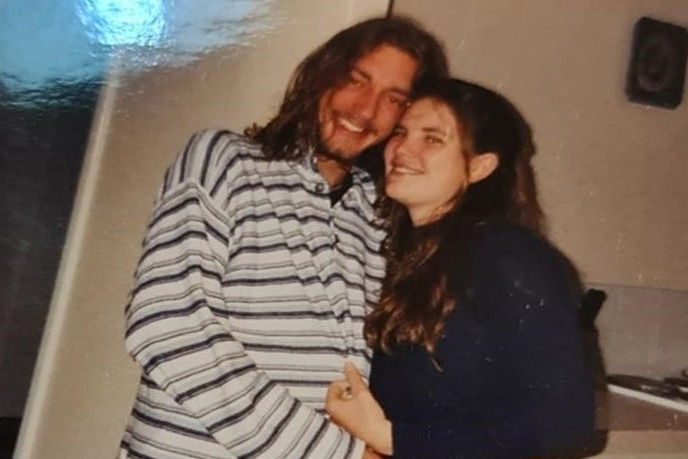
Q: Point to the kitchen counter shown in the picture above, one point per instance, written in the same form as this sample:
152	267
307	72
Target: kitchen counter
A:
637	429
645	445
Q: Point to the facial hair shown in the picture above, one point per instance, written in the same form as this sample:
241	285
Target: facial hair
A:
324	152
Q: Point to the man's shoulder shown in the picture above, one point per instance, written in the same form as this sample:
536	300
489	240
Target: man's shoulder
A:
210	152
211	157
222	142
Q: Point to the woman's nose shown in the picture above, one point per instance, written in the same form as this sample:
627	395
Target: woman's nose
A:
404	147
398	149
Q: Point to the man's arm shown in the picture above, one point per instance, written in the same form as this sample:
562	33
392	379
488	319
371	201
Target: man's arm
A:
178	332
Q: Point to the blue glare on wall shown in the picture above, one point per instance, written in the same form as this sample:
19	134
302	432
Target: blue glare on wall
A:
122	23
48	45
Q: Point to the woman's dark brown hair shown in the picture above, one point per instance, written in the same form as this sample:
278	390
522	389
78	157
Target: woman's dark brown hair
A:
294	130
416	294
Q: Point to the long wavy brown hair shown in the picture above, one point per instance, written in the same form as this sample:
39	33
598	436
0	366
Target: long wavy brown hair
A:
294	130
417	295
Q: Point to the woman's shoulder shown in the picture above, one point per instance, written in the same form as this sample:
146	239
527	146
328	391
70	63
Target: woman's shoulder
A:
518	255
506	240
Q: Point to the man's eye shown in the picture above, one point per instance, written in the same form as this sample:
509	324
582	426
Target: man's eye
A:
355	82
398	132
398	100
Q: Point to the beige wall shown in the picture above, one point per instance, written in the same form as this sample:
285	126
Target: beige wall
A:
84	382
612	174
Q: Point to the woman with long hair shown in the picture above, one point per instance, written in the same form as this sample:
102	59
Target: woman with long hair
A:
477	350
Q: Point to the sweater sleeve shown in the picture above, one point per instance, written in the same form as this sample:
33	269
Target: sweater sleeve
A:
512	359
177	331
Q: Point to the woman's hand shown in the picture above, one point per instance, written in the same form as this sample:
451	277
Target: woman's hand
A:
351	405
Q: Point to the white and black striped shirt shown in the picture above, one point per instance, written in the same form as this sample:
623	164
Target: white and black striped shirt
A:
249	295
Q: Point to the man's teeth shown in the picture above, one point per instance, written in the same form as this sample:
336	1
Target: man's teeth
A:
349	126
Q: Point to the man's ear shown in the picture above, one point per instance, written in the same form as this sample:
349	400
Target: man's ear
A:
481	166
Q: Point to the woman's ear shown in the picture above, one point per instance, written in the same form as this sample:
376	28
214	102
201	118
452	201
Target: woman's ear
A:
481	166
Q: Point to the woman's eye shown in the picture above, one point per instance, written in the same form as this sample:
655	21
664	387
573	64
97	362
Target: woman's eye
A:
433	140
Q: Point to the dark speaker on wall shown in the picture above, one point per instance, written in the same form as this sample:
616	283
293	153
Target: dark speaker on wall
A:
657	69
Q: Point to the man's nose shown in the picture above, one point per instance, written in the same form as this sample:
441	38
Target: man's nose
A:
367	105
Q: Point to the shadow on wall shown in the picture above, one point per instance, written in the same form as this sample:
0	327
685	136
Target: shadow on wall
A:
591	304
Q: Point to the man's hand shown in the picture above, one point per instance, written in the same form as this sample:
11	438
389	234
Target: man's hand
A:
351	405
369	453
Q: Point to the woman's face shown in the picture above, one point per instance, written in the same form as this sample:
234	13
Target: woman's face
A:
425	168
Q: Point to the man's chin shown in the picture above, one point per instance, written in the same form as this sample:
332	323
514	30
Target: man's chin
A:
343	156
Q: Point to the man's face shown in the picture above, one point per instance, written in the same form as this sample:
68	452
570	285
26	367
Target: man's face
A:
364	109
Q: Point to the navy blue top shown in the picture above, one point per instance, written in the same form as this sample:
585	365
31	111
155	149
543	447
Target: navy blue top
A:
508	378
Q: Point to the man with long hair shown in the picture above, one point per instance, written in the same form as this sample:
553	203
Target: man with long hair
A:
262	258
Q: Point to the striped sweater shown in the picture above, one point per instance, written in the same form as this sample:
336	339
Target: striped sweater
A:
249	295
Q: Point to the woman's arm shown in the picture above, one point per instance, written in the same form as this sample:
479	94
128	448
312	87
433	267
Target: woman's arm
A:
512	360
512	364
